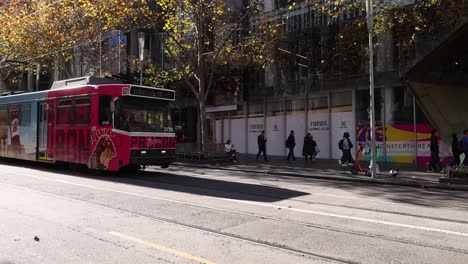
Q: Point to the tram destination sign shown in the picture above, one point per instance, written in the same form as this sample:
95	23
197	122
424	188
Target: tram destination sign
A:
152	92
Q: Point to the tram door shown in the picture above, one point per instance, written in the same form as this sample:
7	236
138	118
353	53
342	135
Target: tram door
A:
42	131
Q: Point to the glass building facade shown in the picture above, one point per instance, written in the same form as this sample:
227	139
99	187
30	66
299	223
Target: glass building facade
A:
323	89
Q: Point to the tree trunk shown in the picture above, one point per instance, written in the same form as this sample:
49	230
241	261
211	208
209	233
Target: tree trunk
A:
202	124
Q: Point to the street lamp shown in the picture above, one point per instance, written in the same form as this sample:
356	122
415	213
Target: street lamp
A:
370	27
141	49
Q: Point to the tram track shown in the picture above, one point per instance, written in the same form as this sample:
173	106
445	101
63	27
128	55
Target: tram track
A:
260	217
258	242
149	176
391	212
363	234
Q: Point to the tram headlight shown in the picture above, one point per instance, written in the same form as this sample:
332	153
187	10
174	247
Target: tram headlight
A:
163	152
143	152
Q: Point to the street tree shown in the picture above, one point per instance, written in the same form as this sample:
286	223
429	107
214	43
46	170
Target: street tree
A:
203	36
69	31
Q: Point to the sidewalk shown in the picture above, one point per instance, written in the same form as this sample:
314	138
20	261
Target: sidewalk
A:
327	169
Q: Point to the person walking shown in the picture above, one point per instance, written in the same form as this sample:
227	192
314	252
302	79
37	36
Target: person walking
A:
345	145
290	145
456	150
464	144
309	149
434	164
261	141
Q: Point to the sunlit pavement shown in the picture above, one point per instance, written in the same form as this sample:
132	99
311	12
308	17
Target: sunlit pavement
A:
197	215
327	169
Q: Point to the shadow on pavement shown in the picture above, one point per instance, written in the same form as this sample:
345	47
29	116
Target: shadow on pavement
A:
437	198
399	194
172	182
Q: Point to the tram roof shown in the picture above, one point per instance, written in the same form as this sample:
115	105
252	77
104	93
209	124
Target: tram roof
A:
23	97
83	81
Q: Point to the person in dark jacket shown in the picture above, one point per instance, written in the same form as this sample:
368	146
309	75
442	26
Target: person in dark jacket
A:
434	164
456	151
290	145
345	145
464	143
261	141
309	147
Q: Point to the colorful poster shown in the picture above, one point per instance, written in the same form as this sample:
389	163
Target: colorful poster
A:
400	145
104	149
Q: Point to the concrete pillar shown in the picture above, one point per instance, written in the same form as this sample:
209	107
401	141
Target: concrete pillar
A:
30	83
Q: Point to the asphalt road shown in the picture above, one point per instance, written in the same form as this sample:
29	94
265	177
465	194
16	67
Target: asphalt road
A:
189	215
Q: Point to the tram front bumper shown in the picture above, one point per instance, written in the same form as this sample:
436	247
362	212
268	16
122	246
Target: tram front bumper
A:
152	156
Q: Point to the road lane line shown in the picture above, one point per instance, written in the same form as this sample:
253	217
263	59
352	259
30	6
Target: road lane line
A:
162	248
266	244
368	220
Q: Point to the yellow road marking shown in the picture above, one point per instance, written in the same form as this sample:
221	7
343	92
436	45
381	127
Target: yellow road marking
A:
162	248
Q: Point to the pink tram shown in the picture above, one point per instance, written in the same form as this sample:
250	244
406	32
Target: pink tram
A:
97	122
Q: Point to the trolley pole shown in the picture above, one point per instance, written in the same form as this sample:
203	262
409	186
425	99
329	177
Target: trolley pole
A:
370	27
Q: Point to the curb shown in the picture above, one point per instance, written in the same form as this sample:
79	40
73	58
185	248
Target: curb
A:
404	183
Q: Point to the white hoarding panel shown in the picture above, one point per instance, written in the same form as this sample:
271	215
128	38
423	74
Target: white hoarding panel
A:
256	126
275	135
319	128
342	122
296	122
238	134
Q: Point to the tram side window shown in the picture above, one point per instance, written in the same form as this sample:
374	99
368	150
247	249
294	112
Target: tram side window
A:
82	111
25	115
3	115
105	115
64	112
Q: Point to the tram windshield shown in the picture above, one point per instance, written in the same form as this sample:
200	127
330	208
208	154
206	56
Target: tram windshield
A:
135	114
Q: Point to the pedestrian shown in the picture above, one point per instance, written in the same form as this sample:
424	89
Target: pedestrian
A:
309	149
290	145
456	150
261	141
231	150
464	145
345	145
434	164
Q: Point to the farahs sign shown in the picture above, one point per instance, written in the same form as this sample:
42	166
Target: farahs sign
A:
318	125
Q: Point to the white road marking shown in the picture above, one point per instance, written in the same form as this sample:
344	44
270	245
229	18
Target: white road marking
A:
381	222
